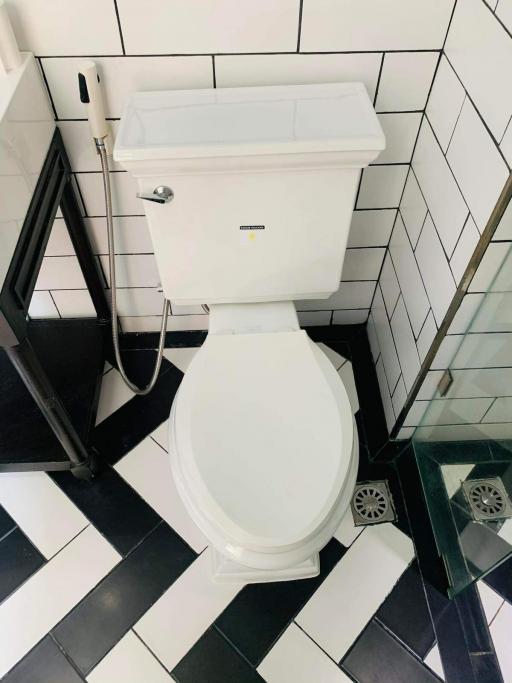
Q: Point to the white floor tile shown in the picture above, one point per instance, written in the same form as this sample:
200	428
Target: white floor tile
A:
148	470
184	612
347	532
42	601
161	435
295	657
129	661
38	506
501	628
491	601
339	610
334	357
347	377
181	357
433	661
114	393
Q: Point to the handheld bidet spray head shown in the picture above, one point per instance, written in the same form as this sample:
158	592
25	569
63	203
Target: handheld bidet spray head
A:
92	97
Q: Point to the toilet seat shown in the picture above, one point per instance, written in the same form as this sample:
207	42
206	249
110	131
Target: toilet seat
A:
257	415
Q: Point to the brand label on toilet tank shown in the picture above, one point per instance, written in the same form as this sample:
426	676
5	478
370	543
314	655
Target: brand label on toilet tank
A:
252	227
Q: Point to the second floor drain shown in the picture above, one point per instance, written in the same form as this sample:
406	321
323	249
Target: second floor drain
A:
372	503
487	498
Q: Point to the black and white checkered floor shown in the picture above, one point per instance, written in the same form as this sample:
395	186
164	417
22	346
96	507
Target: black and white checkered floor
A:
108	581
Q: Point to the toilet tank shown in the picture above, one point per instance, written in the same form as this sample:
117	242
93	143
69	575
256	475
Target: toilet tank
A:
264	182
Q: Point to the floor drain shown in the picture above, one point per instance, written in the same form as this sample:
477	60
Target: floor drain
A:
487	498
372	503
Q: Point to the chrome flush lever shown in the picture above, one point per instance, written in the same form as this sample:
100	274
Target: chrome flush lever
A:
161	195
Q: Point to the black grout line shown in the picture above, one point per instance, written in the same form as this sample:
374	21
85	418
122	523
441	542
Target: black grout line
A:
449	25
146	646
455	125
236	54
54	302
213	72
378	80
50	97
493	12
119	27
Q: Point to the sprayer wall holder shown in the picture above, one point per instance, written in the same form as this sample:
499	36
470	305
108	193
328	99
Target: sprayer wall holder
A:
108	141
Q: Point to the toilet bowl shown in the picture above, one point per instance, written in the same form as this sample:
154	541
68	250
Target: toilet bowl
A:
263	445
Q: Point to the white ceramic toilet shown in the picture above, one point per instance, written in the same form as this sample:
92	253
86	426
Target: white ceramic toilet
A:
263	444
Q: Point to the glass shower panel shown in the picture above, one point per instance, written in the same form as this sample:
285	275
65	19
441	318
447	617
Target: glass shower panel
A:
463	445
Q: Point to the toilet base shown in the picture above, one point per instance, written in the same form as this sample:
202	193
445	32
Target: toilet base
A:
228	571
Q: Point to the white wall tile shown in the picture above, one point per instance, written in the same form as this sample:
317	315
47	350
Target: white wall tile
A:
148	470
500	411
445	103
42	306
41	510
485	382
180	617
405	80
371	228
494	316
59	243
426	336
389	285
151	323
455	411
477	164
353	25
74	303
405	344
244	70
80	146
133	270
308	318
122	75
131	235
399	396
435	270
385	395
44	599
124	194
405	433
64	28
139	301
324	617
295	657
506	144
504	12
504	229
409	276
467	432
472	31
59	272
381	187
349	295
465	313
129	661
372	337
401	131
180	27
439	188
413	208
494	271
429	387
362	264
415	415
386	343
352	317
464	249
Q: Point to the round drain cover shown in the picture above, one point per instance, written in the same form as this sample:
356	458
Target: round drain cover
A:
487	499
370	503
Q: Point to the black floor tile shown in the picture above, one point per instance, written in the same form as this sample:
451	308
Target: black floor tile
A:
213	660
260	612
44	664
125	428
7	523
378	658
405	613
98	622
19	559
500	580
115	509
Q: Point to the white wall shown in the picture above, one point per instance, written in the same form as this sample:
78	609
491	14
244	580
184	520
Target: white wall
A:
460	164
391	45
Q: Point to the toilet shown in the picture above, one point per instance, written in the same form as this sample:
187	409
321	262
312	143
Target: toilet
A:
249	195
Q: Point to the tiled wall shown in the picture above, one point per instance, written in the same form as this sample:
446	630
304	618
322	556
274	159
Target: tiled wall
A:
460	164
392	46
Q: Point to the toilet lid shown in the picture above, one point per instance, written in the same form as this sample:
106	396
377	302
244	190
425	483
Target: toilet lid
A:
262	442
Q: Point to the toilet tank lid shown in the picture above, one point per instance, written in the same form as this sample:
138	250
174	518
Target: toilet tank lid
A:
248	121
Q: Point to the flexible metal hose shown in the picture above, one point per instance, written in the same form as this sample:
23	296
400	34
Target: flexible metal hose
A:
113	299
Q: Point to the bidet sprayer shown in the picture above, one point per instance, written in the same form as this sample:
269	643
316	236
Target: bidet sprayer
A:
92	97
